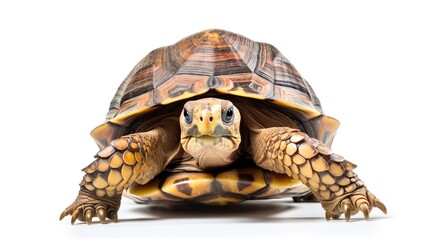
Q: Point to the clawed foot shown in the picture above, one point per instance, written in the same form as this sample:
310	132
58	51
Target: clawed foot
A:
360	200
87	205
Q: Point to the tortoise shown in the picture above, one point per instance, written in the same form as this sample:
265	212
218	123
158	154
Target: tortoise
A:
217	119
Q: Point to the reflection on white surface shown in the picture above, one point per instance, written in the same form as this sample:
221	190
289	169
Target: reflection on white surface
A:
248	220
249	210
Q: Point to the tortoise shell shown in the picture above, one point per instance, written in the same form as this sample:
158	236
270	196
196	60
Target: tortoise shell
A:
214	61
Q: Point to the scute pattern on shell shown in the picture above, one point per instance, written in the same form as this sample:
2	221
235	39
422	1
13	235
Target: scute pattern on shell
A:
213	59
218	62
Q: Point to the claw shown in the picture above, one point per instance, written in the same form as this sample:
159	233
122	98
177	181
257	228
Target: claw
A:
328	216
64	213
380	205
365	210
101	214
347	209
114	216
88	216
74	216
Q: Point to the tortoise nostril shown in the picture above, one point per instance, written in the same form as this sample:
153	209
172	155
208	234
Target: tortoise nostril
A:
201	119
211	119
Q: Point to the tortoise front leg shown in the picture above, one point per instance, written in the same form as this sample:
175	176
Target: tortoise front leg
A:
329	176
136	157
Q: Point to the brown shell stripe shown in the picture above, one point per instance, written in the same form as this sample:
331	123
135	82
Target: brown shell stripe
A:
211	56
327	174
116	166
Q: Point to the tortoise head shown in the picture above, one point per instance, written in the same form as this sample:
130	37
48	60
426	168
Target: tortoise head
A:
210	131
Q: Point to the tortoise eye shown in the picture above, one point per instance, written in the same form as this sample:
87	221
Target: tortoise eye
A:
228	116
187	115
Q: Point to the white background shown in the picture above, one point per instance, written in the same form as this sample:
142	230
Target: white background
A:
61	62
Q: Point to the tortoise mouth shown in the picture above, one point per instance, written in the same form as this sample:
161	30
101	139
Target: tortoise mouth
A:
198	144
211	151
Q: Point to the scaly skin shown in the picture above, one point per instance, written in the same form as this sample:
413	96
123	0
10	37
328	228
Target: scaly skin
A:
329	176
136	157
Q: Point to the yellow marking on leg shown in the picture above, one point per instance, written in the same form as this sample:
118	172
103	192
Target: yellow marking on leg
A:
126	172
114	177
100	192
134	146
103	165
287	160
306	170
116	160
99	182
89	186
340	192
326	194
106	152
297	137
319	164
129	158
298	159
120	144
283	145
327	179
306	150
336	169
139	157
291	149
87	178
